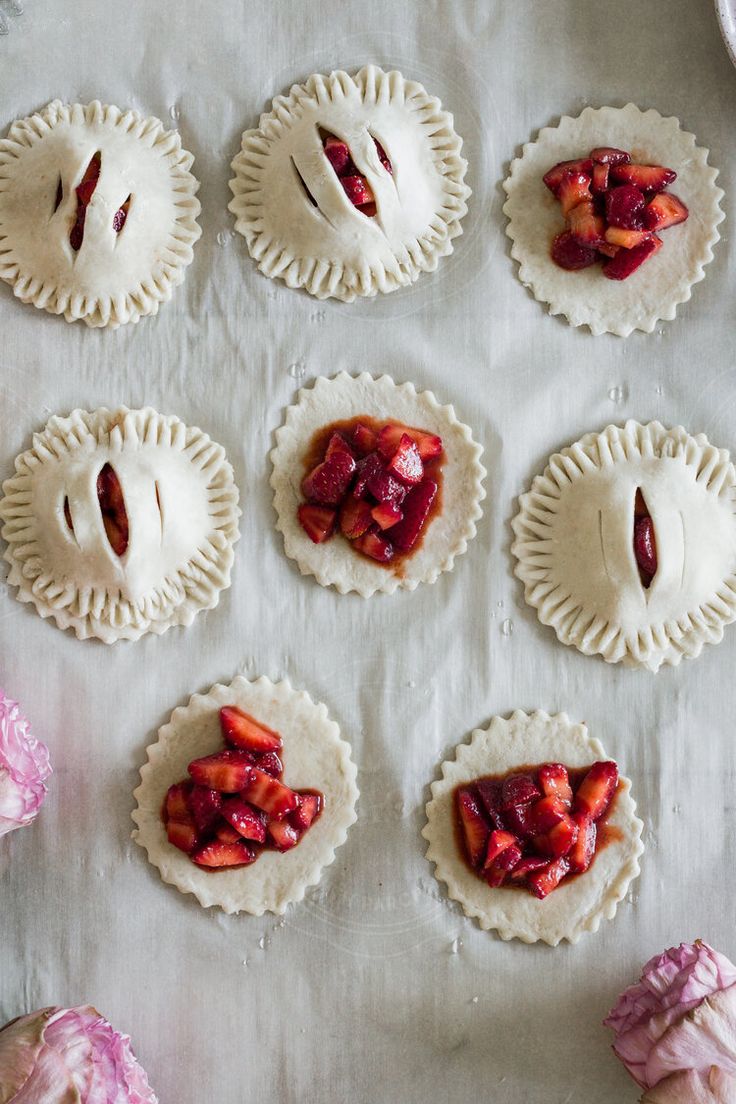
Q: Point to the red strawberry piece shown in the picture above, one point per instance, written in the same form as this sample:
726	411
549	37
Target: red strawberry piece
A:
416	507
226	833
243	731
663	211
318	522
429	444
546	813
270	763
364	439
367	209
268	794
366	468
357	189
574	188
112	508
386	514
375	547
558	840
183	834
205	805
517	818
625	207
568	253
218	854
355	517
648	178
582	851
84	191
599	183
247	821
177	801
489	793
337	443
498	841
384	487
120	216
307	811
227	771
608	155
474	825
406	463
499	871
615	235
518	789
645	547
596	791
627	261
554	177
337	153
527	866
327	484
283	835
585	225
555	782
541	882
382	157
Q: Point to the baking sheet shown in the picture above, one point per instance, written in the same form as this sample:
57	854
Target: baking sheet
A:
375	988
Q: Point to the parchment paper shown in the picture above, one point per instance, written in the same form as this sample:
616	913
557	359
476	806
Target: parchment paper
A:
375	988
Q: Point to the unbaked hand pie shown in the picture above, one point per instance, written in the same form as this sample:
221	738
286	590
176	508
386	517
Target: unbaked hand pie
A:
376	486
120	522
246	794
626	545
98	212
350	185
533	830
597	189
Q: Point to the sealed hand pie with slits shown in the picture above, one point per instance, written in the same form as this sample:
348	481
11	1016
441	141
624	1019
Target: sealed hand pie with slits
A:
98	212
120	523
350	185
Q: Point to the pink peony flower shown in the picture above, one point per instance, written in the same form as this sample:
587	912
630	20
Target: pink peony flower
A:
58	1055
24	768
676	1029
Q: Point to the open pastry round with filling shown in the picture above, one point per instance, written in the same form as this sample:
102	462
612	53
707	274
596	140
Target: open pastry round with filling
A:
626	545
120	522
98	212
253	825
533	830
616	164
350	185
376	486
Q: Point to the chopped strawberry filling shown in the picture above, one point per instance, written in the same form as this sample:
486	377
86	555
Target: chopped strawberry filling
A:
85	190
645	543
612	209
112	508
379	483
534	827
354	183
234	804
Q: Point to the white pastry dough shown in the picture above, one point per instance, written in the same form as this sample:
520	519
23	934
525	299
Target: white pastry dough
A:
586	297
182	508
114	277
335	563
578	904
315	757
329	247
574	544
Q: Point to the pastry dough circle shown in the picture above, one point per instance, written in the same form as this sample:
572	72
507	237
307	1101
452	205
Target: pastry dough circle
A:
114	277
586	297
579	904
574	544
182	507
335	563
315	757
329	247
